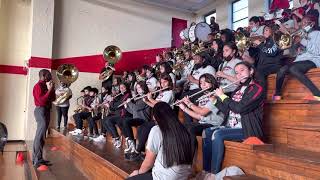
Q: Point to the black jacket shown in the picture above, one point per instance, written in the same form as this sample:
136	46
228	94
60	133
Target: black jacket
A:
250	107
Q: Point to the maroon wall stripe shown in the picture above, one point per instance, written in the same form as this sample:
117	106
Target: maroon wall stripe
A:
130	61
13	69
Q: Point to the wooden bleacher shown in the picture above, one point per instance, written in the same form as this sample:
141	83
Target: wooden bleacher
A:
292	149
292	127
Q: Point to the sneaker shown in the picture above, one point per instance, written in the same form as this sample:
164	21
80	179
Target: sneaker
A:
76	132
127	156
276	98
131	147
312	98
58	128
126	142
117	142
100	138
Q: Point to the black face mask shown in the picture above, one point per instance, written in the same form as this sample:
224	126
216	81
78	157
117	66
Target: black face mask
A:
197	66
246	83
228	58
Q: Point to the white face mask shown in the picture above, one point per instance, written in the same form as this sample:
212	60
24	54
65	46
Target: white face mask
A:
308	28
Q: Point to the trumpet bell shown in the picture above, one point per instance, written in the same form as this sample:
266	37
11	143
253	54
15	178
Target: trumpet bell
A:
112	54
242	41
67	73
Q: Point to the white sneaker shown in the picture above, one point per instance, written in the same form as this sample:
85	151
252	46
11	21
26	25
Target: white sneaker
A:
117	142
76	132
131	147
100	138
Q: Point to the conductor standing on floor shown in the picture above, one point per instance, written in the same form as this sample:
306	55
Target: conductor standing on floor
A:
43	93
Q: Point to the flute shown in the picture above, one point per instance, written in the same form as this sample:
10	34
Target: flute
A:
212	93
194	94
130	99
141	97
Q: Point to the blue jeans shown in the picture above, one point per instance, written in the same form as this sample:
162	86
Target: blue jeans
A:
213	151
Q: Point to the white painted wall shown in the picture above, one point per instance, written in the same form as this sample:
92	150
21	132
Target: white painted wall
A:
86	27
15	39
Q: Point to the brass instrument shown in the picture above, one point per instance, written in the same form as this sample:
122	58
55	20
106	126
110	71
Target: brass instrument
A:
143	96
112	54
67	74
79	106
212	93
243	42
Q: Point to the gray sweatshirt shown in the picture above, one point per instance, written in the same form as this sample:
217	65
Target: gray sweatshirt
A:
139	110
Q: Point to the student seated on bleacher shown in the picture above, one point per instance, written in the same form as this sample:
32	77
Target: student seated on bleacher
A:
307	60
206	113
170	148
244	113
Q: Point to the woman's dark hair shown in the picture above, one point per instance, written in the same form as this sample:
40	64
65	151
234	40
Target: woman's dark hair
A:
118	80
143	86
220	45
179	146
169	53
126	85
233	46
167	67
95	90
228	34
209	78
255	19
166	77
133	81
148	68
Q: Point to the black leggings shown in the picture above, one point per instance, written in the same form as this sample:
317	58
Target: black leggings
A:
263	73
298	70
127	124
79	117
110	124
196	128
144	176
143	133
93	128
62	111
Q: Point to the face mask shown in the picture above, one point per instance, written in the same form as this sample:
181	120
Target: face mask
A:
254	29
228	58
308	28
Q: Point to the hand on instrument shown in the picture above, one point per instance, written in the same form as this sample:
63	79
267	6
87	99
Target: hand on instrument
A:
127	101
182	106
186	100
218	92
49	85
134	173
220	74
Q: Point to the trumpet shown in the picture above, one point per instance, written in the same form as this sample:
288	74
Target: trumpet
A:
212	93
194	94
143	96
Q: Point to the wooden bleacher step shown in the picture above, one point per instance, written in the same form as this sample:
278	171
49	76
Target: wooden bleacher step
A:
304	137
278	161
243	177
97	160
293	88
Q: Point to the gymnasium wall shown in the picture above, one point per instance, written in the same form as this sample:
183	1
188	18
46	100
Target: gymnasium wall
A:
15	39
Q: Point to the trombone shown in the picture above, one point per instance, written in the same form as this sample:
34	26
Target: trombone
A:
212	93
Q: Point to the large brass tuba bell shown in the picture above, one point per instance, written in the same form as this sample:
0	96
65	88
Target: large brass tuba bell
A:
67	74
112	54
